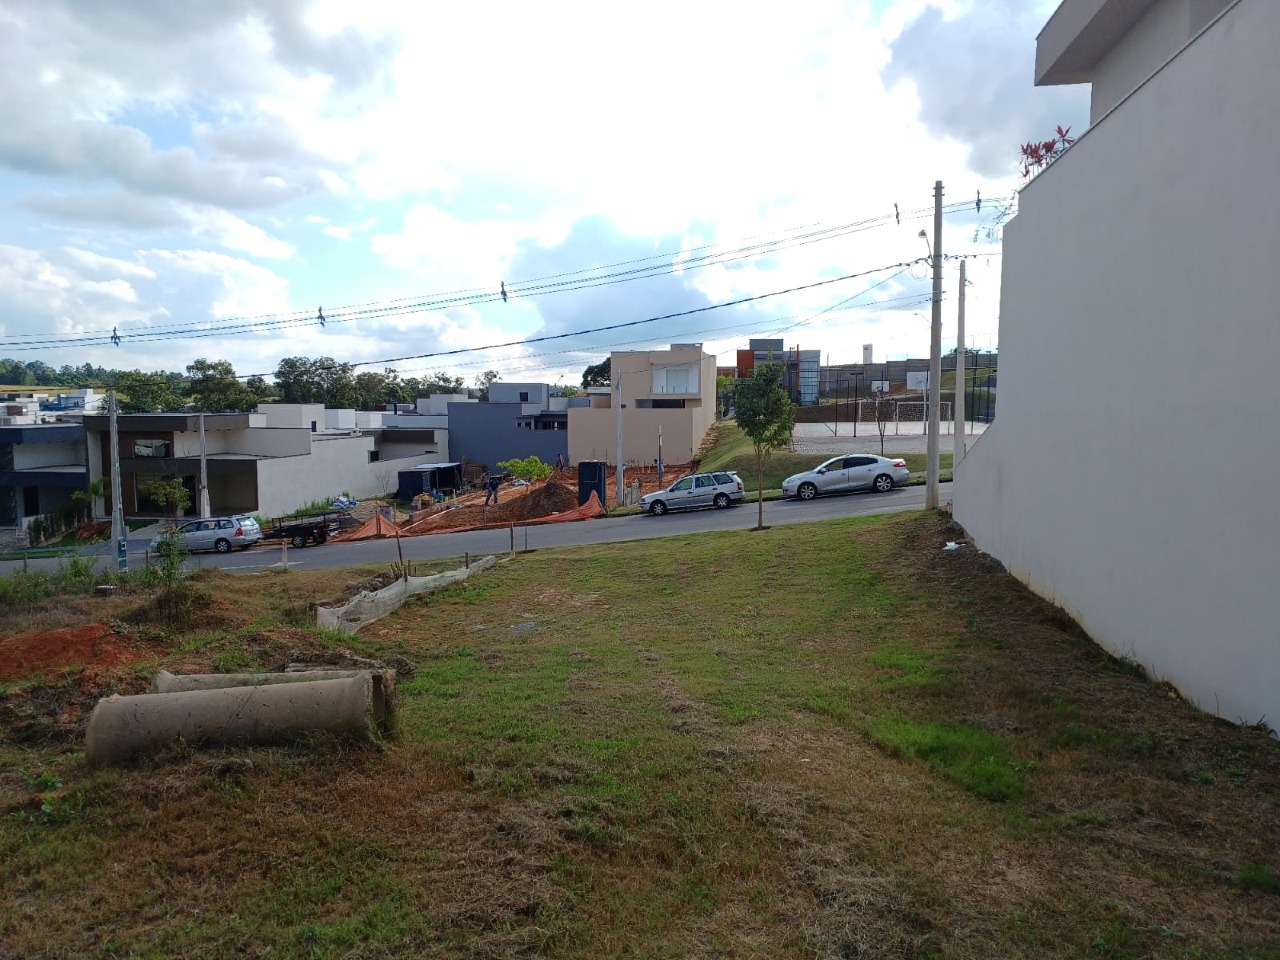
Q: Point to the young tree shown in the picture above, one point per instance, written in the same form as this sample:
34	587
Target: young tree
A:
766	415
175	599
530	468
724	394
883	407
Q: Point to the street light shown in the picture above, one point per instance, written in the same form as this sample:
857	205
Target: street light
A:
925	237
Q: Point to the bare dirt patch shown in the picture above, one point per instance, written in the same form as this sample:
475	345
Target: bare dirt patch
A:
37	651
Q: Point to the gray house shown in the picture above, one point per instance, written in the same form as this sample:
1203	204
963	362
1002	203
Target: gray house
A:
520	420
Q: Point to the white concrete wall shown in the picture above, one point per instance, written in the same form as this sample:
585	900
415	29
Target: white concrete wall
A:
335	465
366	419
1130	475
293	414
262	442
340	419
31	456
438	403
1162	32
391	450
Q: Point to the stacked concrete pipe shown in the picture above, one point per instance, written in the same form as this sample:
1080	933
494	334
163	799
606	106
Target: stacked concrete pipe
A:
240	708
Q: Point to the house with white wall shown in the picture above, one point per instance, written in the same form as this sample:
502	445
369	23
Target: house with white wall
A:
1131	474
269	462
671	393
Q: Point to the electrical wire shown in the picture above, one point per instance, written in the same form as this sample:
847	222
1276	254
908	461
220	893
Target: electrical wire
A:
395	308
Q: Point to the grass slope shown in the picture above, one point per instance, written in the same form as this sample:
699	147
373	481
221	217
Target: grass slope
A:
828	740
730	449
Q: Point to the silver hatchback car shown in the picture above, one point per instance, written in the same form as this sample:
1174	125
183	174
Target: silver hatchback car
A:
719	489
214	533
847	473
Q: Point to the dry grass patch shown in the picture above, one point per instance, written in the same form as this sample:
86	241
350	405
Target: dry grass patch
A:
827	741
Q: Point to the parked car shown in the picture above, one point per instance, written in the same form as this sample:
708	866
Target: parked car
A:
213	533
719	489
845	473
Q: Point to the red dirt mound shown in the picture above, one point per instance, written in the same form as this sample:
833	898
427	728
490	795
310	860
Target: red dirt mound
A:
517	504
93	644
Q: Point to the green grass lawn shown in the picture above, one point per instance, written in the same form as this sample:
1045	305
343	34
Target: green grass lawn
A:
822	740
732	450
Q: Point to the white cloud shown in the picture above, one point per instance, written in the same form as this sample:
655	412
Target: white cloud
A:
973	74
461	146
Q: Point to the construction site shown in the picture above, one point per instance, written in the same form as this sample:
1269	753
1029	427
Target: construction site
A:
545	501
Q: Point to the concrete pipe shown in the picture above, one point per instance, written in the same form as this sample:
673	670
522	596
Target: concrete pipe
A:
123	727
166	682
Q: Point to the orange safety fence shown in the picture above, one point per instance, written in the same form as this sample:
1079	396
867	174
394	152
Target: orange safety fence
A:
380	526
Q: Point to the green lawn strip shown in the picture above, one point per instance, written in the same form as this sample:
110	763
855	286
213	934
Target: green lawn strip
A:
979	760
918	462
732	451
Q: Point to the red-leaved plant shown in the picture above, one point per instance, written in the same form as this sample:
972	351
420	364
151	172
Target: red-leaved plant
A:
1037	156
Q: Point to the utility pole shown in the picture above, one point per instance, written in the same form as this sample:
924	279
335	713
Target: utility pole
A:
935	357
118	534
204	472
661	465
957	408
617	474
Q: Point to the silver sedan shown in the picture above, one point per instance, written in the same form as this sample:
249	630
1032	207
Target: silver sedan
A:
847	473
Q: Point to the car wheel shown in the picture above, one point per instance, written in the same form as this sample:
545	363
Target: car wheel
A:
883	483
298	540
222	545
807	491
721	501
657	508
322	536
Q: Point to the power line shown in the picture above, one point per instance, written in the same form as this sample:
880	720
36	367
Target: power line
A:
393	308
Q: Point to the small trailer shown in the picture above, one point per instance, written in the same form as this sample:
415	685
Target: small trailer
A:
299	531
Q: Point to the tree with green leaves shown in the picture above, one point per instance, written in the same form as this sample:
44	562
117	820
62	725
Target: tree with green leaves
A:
766	415
175	599
156	392
484	381
530	468
214	388
376	389
438	383
598	374
724	395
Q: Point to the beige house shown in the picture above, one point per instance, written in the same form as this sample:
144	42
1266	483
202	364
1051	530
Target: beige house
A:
671	393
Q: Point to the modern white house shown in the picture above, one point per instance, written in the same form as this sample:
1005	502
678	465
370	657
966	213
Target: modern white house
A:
270	462
1131	475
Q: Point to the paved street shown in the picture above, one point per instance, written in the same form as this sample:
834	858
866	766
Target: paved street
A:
481	542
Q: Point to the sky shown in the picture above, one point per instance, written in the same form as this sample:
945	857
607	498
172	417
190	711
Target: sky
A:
206	179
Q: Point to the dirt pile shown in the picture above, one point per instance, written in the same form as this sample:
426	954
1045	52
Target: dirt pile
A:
93	644
517	505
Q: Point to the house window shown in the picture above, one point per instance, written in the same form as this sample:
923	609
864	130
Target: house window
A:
374	456
524	396
681	379
151	448
660	403
31	501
